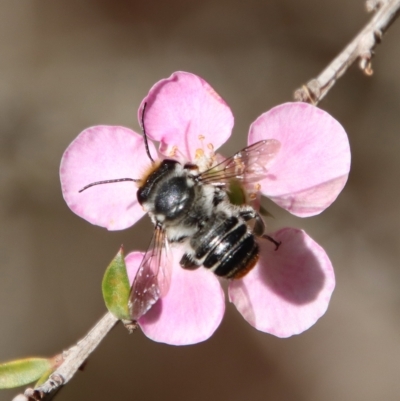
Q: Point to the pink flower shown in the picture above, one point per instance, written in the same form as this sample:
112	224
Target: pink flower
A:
289	289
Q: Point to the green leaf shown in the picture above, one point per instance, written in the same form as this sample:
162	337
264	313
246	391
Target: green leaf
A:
236	193
116	287
23	371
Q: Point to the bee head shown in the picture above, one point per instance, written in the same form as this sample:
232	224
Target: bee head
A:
167	190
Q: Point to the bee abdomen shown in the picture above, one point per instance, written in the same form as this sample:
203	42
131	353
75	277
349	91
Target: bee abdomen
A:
247	255
210	235
234	254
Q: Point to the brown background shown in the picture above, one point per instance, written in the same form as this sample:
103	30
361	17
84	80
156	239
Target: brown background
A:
66	65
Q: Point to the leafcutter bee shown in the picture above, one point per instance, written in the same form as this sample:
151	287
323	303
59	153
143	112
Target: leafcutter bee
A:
193	208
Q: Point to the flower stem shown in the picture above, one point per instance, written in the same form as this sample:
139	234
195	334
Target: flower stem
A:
360	48
74	358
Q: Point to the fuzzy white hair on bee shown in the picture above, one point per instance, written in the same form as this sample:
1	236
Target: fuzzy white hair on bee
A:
191	206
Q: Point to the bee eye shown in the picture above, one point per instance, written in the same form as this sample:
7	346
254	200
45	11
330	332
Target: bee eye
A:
174	197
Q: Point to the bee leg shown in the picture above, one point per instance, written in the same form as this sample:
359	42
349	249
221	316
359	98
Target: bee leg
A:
188	263
277	243
248	213
259	226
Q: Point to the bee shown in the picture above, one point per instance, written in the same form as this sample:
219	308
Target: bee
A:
193	208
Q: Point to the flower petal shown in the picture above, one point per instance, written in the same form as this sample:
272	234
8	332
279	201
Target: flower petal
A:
185	114
104	153
289	289
190	312
313	163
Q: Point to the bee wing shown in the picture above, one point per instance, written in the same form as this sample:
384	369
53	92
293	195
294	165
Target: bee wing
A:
152	279
249	164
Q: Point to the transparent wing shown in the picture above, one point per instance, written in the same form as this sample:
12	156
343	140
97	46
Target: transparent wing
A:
250	164
153	276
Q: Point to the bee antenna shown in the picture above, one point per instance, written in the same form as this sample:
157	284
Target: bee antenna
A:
146	143
107	182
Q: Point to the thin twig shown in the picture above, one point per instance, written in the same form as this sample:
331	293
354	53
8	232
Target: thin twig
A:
73	360
361	48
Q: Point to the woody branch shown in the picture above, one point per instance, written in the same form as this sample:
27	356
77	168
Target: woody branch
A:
360	48
74	358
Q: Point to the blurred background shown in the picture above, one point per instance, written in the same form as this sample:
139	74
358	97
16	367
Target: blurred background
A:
67	65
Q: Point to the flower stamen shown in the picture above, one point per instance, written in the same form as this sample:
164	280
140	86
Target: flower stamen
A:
199	154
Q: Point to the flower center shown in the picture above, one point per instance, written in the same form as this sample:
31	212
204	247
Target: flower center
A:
204	156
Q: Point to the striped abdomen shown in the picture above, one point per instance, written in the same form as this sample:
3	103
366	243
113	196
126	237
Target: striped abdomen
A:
225	246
